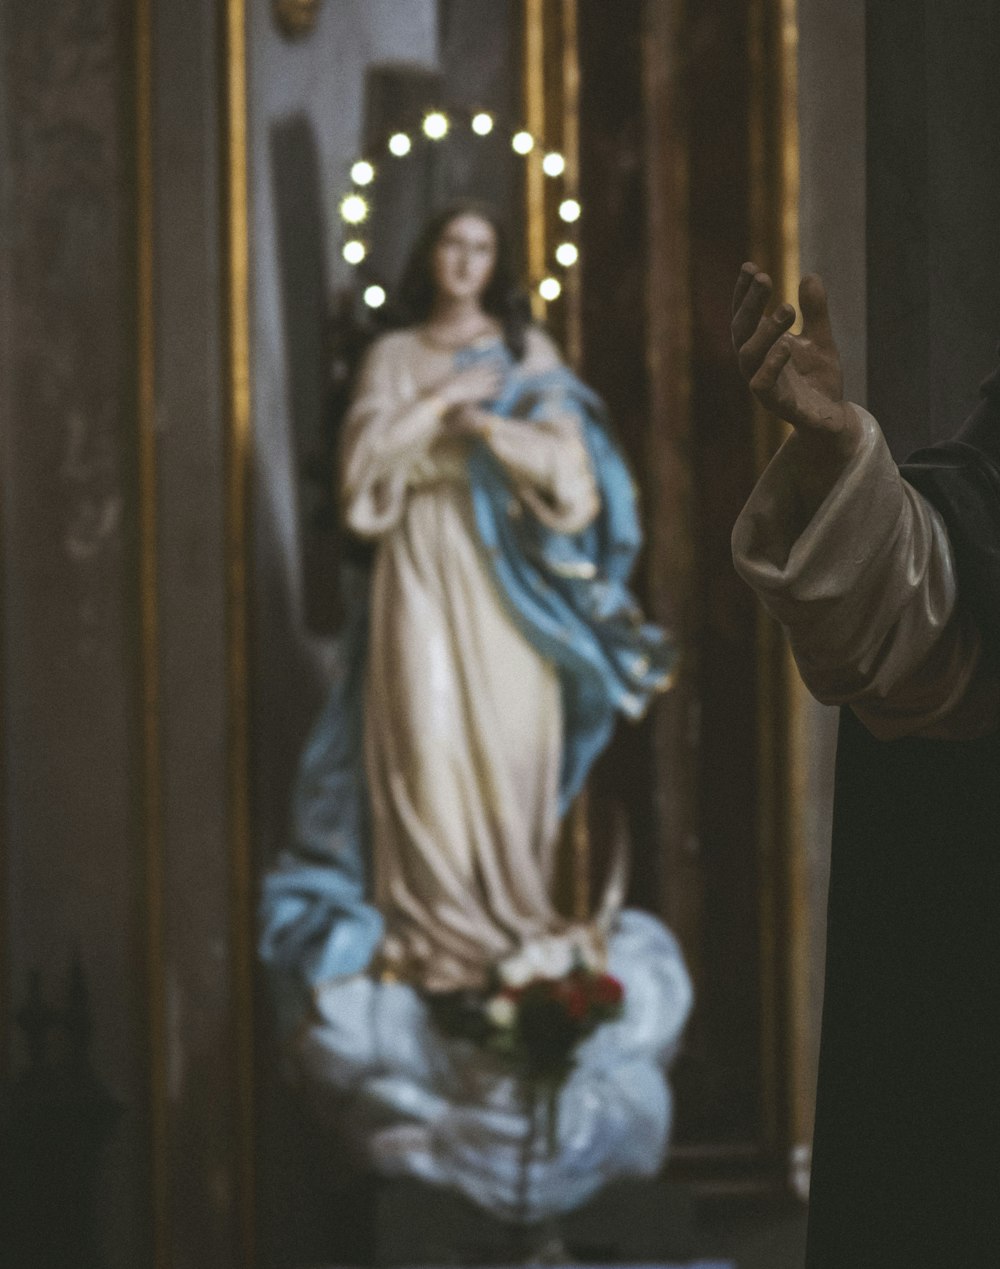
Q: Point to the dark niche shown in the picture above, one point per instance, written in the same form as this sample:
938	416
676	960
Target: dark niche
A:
56	1118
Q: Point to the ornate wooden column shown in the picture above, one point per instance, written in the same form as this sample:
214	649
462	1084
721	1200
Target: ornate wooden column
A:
688	166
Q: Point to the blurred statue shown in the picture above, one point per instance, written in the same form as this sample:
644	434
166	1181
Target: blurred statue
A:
491	643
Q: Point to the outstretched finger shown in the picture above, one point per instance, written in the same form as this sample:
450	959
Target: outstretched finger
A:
769	330
815	312
764	381
751	309
746	275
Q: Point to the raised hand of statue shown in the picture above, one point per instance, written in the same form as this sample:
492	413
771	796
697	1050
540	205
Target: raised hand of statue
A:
797	377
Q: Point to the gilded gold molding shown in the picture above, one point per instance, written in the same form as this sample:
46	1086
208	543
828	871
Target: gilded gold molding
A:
534	120
551	113
296	18
551	90
237	310
801	1105
774	148
152	791
571	151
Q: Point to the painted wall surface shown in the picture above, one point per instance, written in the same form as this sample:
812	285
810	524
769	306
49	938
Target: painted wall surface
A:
933	206
72	870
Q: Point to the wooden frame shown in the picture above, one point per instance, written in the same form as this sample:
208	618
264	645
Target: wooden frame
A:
236	256
717	182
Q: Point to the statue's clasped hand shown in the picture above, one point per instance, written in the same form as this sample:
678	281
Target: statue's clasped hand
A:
463	395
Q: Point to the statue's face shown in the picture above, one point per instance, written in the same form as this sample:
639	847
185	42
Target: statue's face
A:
464	257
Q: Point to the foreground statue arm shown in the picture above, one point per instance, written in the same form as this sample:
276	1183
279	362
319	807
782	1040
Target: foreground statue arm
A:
386	432
843	552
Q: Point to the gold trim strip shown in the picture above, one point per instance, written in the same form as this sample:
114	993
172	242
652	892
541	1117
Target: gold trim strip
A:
534	121
800	1090
770	684
237	258
774	148
152	790
571	152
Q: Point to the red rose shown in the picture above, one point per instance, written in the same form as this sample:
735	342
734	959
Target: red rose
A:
608	990
576	1003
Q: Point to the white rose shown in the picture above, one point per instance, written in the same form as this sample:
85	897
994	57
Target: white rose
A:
517	971
554	957
587	950
501	1011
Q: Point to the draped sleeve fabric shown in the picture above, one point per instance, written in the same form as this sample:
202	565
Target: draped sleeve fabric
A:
547	458
388	430
866	589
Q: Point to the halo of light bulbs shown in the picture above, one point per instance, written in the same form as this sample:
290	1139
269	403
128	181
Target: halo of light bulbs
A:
435	127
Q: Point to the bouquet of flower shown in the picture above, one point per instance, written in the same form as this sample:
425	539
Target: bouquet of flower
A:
537	1009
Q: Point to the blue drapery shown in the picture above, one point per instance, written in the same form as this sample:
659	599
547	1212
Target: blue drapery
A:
568	595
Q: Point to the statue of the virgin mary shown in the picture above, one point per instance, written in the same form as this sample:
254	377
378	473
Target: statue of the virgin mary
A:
491	643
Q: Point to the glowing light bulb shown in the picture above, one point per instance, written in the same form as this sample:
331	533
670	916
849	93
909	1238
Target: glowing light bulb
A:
374	296
569	210
567	254
354	251
482	124
553	164
400	144
362	173
436	125
354	209
523	142
549	289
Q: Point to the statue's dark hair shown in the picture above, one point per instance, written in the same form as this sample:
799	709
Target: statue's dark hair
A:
503	299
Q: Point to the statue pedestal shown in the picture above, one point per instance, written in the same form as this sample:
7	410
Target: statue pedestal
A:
648	1221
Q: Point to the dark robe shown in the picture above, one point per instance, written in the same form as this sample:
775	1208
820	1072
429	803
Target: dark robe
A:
906	1167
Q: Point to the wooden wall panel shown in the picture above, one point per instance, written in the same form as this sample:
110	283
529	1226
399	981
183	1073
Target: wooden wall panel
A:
672	173
71	708
933	198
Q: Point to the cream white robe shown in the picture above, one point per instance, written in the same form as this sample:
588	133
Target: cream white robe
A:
463	720
866	589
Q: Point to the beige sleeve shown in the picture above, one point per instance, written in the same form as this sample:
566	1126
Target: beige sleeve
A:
866	591
548	458
551	469
388	429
